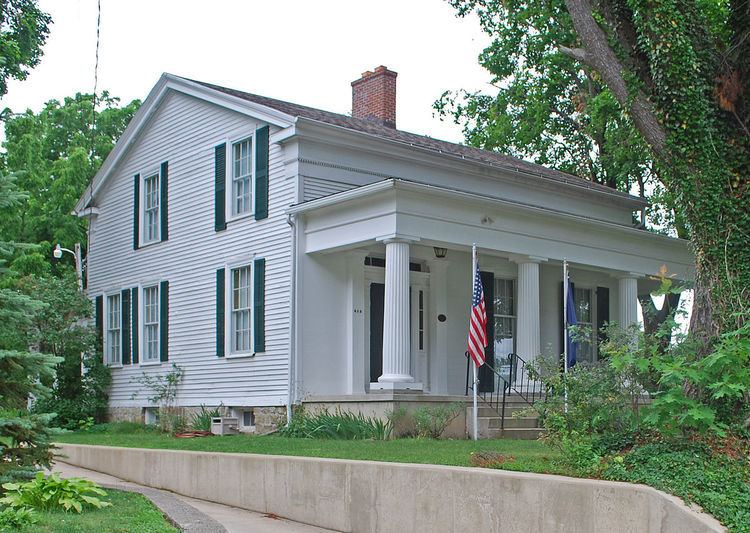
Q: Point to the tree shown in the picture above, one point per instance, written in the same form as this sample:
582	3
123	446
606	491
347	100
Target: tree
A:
58	151
23	31
678	70
24	437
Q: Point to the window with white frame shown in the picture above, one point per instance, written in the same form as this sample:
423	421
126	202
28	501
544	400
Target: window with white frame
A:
114	327
242	172
584	317
241	310
505	317
151	323
151	220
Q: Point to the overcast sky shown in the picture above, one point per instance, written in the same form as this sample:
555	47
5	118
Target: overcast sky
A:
307	52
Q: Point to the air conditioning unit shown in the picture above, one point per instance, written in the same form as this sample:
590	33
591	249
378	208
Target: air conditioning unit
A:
225	425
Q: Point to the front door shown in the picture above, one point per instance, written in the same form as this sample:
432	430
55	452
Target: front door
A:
377	305
418	318
486	376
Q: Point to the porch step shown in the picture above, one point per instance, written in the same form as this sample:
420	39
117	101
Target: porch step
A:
493	426
514	433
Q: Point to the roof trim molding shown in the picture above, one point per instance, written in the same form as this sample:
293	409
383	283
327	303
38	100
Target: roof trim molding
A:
396	184
169	82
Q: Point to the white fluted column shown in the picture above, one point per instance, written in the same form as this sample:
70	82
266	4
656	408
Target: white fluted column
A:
628	301
396	341
528	343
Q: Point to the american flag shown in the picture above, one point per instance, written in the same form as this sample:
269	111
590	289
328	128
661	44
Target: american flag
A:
478	322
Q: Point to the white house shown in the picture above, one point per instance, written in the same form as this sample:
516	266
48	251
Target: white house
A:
282	254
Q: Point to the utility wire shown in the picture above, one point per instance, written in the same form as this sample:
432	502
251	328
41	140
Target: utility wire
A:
93	127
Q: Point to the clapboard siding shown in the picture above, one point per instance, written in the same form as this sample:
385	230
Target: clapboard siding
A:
184	131
313	188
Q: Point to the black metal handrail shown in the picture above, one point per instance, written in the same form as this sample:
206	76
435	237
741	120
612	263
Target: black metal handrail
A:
514	377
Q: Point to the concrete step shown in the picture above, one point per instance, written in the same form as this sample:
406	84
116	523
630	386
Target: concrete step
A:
514	422
513	433
510	409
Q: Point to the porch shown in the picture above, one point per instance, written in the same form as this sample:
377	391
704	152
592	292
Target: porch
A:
384	281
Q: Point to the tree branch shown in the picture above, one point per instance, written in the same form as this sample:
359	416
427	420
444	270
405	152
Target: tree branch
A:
597	54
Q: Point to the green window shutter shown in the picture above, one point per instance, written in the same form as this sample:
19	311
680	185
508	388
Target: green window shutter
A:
164	200
220	310
134	322
125	318
220	187
164	321
259	305
261	173
99	321
136	211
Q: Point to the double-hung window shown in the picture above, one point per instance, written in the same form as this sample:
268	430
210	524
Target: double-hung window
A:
242	177
241	310
505	317
151	219
151	323
114	327
584	317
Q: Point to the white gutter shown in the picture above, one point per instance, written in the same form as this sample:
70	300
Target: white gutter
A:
291	366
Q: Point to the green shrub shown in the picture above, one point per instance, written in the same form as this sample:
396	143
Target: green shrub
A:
431	422
50	493
15	518
690	470
201	421
338	425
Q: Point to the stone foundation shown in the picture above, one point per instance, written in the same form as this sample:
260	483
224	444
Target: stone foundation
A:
267	419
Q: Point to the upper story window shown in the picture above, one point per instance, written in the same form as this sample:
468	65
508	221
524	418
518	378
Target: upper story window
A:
151	219
114	328
241	323
151	323
242	177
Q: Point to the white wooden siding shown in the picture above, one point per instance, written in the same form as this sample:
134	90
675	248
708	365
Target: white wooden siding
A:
313	188
184	131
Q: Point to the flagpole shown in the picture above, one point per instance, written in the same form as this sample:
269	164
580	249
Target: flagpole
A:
565	332
475	418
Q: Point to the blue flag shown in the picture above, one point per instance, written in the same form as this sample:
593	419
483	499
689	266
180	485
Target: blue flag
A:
572	321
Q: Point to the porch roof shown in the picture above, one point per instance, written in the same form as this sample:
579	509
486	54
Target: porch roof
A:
440	216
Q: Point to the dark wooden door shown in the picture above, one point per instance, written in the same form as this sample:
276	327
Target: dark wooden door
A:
377	306
486	376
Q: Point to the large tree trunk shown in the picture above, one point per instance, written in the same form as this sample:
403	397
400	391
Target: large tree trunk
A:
707	175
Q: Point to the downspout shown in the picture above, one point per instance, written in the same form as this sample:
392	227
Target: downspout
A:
292	314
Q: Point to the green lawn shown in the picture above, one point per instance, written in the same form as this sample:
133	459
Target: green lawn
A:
130	513
530	456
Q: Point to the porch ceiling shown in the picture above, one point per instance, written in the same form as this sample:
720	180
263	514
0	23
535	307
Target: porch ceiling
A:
457	219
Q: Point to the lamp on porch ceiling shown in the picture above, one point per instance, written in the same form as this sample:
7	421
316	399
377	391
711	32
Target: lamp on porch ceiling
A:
440	252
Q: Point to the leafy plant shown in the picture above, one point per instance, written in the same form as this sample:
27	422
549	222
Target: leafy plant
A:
431	422
17	518
163	392
201	421
691	470
52	492
337	425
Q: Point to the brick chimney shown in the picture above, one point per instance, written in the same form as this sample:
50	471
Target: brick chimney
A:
374	97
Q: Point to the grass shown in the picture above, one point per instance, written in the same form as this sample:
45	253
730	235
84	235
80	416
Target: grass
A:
130	513
527	456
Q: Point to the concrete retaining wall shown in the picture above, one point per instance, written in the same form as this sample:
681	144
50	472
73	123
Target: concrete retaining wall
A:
364	496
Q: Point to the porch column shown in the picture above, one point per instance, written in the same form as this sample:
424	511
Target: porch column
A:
628	300
396	341
528	343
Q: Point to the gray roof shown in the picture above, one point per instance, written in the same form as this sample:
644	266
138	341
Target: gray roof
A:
459	150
